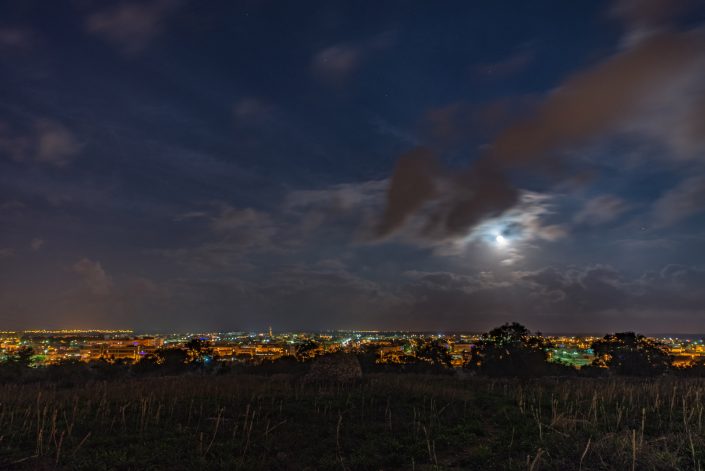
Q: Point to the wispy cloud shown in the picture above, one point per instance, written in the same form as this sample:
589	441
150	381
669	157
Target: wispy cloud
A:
506	66
131	26
36	244
47	141
94	277
681	202
15	39
601	209
335	63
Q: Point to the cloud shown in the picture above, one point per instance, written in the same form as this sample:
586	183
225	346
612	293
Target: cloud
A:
56	145
233	235
681	202
340	197
574	298
131	26
446	281
12	205
47	141
248	227
350	210
591	104
646	244
338	214
293	297
412	184
251	110
191	215
6	253
337	62
95	279
506	67
669	125
595	100
449	204
600	210
591	288
460	122
36	244
522	227
239	238
643	18
309	296
14	39
603	289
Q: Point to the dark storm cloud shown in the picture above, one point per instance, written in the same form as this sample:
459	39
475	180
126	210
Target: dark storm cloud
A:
591	103
457	202
131	25
595	101
412	184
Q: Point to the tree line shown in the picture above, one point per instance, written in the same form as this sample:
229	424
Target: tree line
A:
510	350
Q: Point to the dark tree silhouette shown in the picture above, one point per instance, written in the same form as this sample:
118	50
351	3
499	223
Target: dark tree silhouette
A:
511	350
367	356
172	358
433	351
306	350
167	361
629	354
17	364
198	350
23	357
513	332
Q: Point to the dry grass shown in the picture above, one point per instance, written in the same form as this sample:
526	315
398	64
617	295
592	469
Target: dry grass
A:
382	422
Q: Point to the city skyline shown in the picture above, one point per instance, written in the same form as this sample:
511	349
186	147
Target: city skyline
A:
168	165
120	347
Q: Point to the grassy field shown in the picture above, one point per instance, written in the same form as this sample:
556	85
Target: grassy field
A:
383	422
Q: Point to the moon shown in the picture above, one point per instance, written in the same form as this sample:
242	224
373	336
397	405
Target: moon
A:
500	240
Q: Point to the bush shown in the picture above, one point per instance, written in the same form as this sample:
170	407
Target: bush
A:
336	367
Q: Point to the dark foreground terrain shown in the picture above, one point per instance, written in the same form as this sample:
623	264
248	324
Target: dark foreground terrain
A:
385	421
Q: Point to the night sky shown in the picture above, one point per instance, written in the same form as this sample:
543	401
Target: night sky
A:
226	165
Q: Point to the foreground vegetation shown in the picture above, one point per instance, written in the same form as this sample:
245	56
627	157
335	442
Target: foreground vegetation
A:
382	421
507	408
